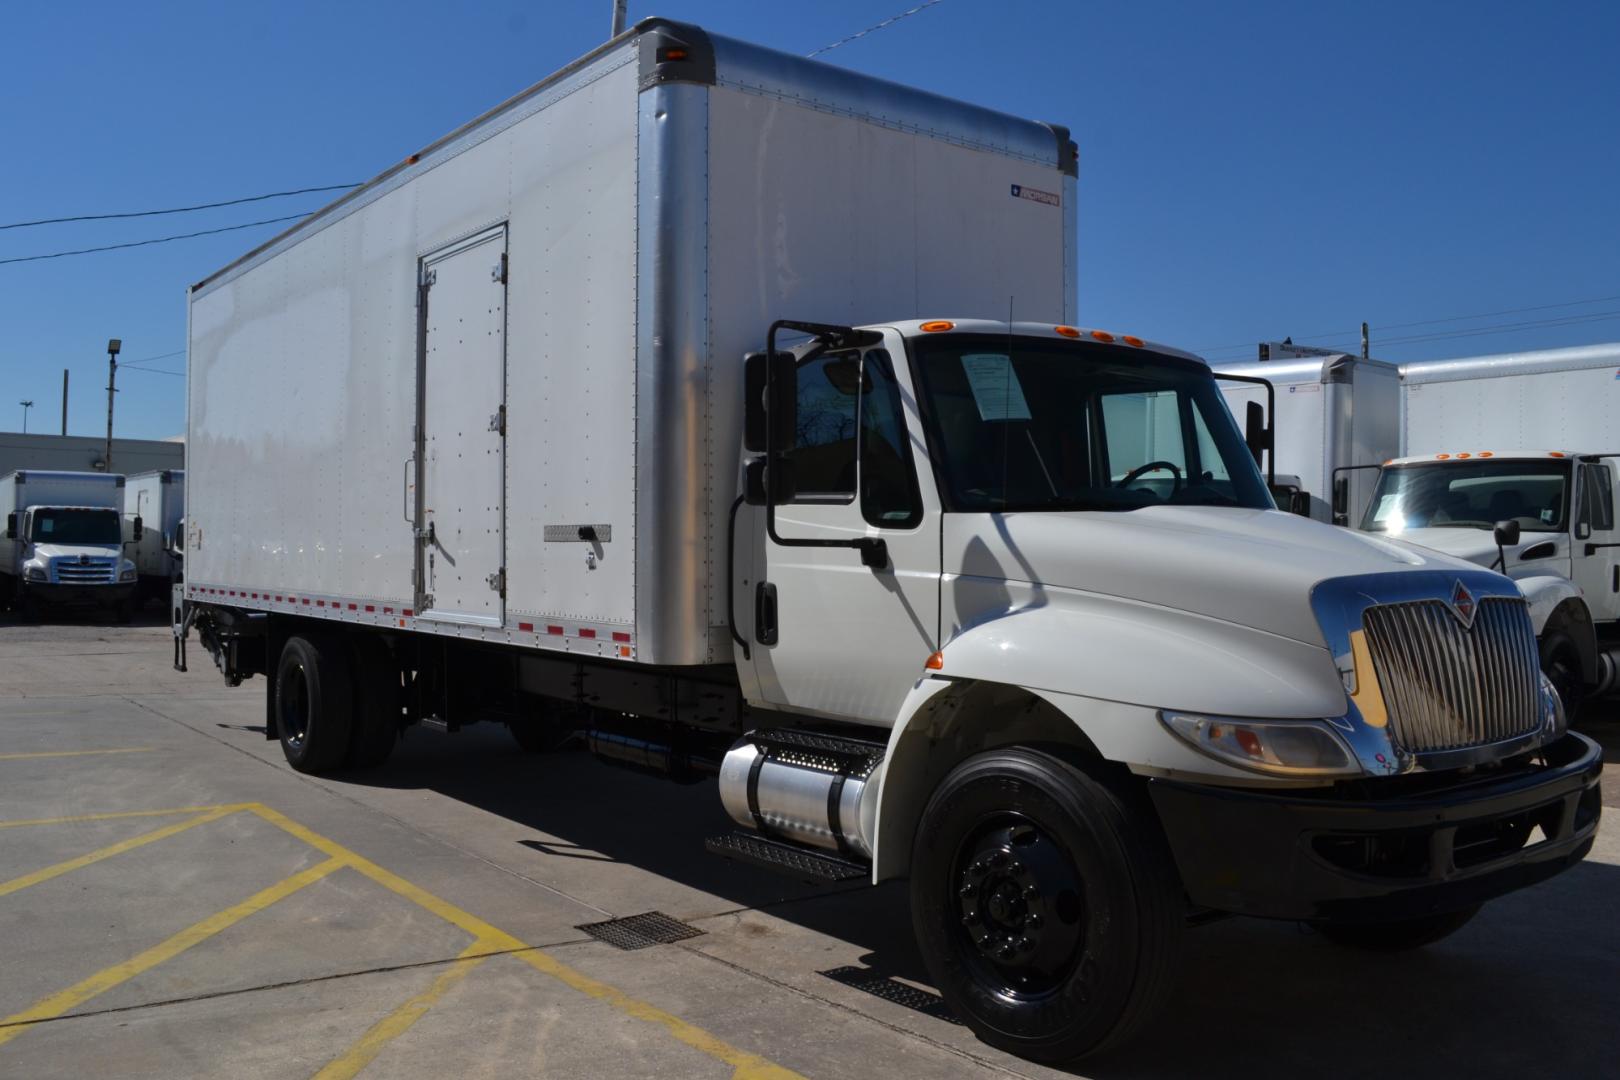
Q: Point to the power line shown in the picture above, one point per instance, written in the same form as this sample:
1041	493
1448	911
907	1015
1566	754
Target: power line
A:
890	21
177	209
157	240
151	370
1336	334
149	359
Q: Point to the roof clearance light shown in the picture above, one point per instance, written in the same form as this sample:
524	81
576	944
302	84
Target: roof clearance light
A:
1103	336
1441	457
1555	453
1465	455
1067	331
936	326
1486	453
1132	339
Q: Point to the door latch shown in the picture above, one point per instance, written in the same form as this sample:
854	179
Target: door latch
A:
497	273
497	582
429	276
497	421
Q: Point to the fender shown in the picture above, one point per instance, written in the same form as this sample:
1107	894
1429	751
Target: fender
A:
1557	607
1103	666
1545	592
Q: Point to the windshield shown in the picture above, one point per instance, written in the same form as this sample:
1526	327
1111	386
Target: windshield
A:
1049	426
1473	494
76	527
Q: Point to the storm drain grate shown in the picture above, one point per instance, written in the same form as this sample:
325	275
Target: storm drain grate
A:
889	989
640	931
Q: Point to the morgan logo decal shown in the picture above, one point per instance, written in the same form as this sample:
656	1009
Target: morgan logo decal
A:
1047	198
1462	605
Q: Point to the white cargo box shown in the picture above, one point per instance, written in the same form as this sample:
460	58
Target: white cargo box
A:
158	499
497	391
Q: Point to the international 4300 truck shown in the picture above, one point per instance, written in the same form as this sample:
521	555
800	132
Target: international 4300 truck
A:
730	409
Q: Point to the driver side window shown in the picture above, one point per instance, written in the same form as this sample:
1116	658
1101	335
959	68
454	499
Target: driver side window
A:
1142	428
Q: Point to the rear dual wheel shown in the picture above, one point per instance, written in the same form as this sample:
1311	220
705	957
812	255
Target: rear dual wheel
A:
1046	905
336	703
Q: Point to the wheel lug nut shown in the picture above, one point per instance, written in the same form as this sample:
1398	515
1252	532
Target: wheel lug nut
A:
1016	867
970	918
1031	892
967	890
1007	952
1032	922
1026	944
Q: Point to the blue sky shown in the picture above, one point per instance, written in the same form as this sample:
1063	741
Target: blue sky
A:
1248	170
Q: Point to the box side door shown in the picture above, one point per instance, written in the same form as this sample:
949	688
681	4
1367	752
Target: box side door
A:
461	432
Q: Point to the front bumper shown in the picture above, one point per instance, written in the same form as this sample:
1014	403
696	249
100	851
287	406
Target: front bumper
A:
79	595
1299	855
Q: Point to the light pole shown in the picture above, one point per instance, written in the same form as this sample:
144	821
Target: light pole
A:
113	345
26	406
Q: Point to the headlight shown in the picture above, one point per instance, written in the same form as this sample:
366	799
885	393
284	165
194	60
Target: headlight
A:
1553	721
127	574
36	572
1279	747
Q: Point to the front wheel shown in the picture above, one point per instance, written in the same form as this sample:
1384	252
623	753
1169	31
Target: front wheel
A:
1399	935
1045	903
1561	662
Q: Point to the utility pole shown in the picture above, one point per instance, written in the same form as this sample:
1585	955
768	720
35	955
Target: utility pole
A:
618	18
1364	341
113	345
64	400
26	406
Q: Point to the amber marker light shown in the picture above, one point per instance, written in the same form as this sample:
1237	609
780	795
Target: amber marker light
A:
1464	455
936	326
1555	453
1103	336
1132	339
1487	453
1442	457
936	662
1066	331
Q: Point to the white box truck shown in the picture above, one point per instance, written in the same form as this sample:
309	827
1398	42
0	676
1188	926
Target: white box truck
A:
1467	485
999	605
63	545
156	499
1338	419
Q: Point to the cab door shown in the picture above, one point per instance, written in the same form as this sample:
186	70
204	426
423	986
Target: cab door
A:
1595	553
830	634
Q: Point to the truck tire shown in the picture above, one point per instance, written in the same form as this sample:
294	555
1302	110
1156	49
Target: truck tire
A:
314	701
1561	663
376	705
1046	904
1397	936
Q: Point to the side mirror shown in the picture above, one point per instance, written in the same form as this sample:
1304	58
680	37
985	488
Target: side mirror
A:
758	489
1341	500
11	525
1300	503
140	528
1507	533
1254	430
779	414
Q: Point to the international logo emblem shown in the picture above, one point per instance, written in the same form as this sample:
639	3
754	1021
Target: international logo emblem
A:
1462	605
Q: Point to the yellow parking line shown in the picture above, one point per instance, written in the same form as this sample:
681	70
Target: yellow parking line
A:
747	1066
76	753
18	884
104	980
357	1057
74	818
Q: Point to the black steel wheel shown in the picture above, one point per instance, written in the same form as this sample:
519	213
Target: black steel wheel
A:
313	703
1045	904
1398	935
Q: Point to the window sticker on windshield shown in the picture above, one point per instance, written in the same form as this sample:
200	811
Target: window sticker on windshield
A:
47	526
1547	515
995	386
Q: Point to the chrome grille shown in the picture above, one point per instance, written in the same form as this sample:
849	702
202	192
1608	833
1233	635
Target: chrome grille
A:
71	571
1448	686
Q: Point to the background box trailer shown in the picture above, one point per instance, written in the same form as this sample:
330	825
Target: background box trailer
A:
571	282
1337	419
158	500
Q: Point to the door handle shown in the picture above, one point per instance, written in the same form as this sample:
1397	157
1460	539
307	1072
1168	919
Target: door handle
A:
405	492
765	613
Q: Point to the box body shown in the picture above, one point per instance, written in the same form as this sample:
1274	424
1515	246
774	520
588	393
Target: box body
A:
497	392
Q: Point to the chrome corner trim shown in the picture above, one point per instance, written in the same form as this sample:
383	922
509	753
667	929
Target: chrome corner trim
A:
672	373
1071	251
1339	604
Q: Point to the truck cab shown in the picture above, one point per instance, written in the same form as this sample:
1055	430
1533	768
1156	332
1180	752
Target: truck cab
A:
64	539
1543	517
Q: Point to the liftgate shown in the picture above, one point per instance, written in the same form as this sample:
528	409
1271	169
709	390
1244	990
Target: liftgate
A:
461	432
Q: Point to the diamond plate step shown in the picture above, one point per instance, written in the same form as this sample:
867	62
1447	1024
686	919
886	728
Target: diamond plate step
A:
817	867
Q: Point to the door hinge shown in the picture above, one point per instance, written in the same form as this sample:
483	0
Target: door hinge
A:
429	276
497	273
497	421
497	581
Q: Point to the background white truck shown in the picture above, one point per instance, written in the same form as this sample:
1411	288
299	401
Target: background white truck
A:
63	542
158	500
1464	470
1002	606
